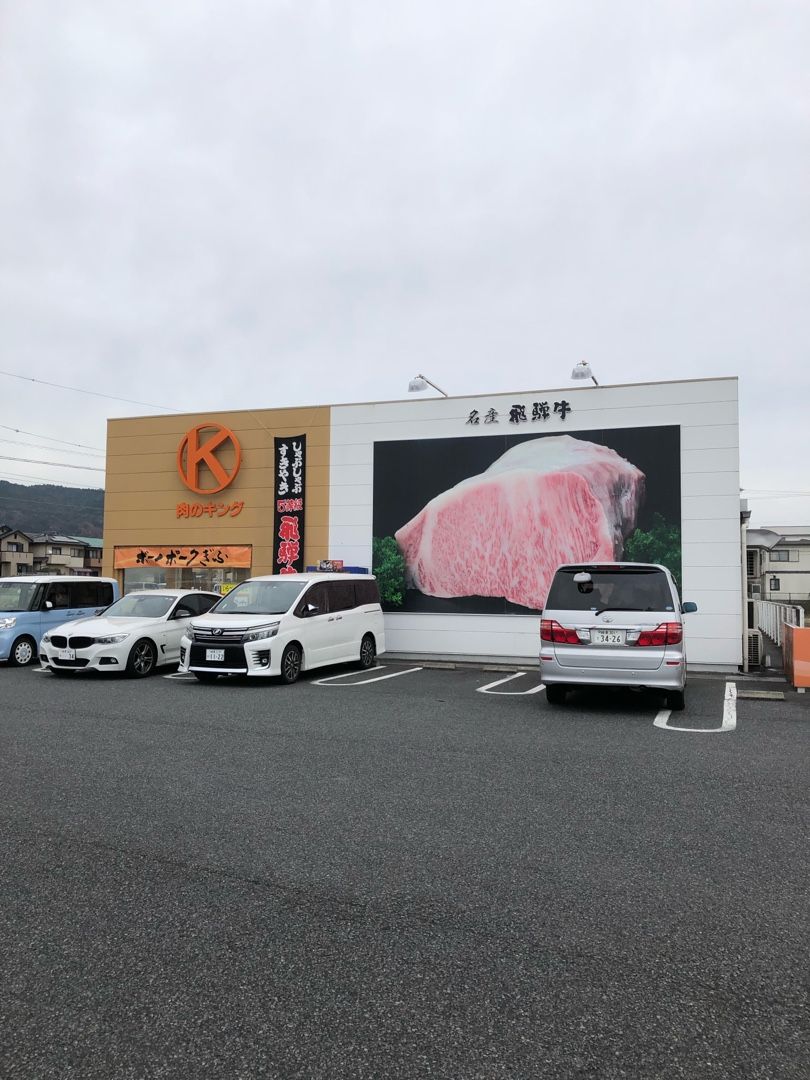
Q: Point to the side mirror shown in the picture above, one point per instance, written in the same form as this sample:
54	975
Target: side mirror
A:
48	605
688	607
312	609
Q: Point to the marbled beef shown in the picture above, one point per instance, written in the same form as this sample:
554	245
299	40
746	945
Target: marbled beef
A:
504	532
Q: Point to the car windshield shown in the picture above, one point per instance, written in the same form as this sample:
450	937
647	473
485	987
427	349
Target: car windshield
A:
16	595
261	598
138	606
610	590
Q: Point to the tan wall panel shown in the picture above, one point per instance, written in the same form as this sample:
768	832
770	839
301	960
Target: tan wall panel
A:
143	486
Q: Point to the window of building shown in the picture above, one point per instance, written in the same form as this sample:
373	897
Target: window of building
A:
774	584
56	551
784	556
751	557
21	568
14	546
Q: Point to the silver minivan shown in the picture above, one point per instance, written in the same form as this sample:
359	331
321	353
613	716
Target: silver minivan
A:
614	624
283	624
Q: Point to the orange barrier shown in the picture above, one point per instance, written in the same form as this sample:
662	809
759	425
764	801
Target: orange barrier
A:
796	652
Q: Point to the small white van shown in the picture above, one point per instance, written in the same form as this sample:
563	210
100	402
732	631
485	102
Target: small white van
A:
283	624
32	605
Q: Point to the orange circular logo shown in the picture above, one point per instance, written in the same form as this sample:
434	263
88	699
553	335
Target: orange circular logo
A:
196	451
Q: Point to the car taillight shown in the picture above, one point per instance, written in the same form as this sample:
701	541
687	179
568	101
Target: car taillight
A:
551	630
667	633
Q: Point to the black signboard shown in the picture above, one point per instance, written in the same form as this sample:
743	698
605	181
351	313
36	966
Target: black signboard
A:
289	498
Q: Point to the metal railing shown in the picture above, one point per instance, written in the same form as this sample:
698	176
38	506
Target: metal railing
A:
770	617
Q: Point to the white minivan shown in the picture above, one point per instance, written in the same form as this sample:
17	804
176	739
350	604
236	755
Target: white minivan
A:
284	624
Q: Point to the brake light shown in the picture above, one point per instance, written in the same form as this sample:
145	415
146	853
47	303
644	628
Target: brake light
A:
551	630
667	633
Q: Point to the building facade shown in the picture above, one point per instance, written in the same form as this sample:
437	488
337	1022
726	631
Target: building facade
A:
778	564
463	506
16	553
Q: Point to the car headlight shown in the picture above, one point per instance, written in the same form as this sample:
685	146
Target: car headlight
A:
46	639
258	635
7	624
113	639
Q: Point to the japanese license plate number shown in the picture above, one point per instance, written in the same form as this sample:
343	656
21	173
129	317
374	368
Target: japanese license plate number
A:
214	654
67	654
607	637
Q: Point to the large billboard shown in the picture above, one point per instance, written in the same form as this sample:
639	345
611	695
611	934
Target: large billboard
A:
478	524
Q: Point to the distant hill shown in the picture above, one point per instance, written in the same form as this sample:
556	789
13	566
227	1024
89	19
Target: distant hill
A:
50	508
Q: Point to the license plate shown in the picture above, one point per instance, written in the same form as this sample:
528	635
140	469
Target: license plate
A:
214	654
607	637
67	654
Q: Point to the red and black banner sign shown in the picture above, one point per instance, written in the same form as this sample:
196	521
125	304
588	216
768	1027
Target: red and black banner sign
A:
289	498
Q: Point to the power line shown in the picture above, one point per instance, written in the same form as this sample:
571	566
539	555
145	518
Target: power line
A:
46	480
58	449
58	464
92	393
49	502
50	438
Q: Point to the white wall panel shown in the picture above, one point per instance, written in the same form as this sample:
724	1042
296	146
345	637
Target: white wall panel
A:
704	437
711	483
726	459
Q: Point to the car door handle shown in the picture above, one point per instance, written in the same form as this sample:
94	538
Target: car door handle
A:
338	618
331	618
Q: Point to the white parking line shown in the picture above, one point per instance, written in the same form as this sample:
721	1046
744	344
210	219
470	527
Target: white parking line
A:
508	693
729	715
332	679
183	676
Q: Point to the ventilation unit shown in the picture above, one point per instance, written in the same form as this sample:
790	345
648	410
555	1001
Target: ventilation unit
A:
755	589
754	645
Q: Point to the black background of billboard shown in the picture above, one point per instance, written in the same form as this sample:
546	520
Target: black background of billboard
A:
408	473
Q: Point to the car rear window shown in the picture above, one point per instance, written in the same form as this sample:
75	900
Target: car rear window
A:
610	590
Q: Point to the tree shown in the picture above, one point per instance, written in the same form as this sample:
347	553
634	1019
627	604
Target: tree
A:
388	565
661	544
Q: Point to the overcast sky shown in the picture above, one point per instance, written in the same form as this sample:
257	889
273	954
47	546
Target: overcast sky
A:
225	205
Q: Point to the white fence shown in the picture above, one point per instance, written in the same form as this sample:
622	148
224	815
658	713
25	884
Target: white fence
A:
770	618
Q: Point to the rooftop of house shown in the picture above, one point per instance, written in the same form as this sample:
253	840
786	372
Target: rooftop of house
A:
768	536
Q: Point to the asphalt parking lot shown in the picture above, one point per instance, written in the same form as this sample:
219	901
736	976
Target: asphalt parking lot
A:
406	872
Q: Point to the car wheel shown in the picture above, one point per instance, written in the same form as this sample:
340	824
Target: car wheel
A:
291	663
206	676
555	694
676	699
142	660
23	652
367	652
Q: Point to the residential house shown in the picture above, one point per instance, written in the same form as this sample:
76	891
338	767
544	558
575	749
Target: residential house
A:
16	552
778	564
58	554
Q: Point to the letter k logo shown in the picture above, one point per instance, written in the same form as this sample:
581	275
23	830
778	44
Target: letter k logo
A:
194	454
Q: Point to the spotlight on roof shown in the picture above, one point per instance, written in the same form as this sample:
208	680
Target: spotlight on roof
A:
582	370
419	382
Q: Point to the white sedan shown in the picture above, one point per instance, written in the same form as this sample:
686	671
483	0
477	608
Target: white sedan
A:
135	634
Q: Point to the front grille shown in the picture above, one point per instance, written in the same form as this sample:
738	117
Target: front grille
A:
81	642
78	662
228	634
234	657
58	641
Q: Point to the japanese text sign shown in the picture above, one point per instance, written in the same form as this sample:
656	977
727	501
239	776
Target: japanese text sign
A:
126	558
289	501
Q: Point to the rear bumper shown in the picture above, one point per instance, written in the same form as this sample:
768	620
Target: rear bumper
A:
670	676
